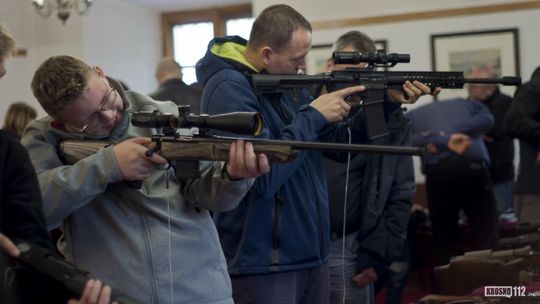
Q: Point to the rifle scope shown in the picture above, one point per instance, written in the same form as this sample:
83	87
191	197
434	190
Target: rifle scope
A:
378	58
249	123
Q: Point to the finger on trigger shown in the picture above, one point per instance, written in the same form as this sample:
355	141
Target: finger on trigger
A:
350	90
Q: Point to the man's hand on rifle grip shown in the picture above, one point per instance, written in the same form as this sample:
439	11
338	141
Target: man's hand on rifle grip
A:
244	163
132	160
333	105
411	92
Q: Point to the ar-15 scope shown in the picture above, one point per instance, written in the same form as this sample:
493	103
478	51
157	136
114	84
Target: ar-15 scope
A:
378	59
249	123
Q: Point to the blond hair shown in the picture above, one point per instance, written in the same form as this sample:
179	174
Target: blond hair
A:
7	44
18	116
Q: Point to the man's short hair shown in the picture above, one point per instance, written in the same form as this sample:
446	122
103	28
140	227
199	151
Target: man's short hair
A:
357	40
7	44
168	65
59	81
275	26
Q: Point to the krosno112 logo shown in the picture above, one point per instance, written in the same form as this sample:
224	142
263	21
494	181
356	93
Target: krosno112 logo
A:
505	291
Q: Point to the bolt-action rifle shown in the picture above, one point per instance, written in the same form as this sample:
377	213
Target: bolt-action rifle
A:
183	152
376	82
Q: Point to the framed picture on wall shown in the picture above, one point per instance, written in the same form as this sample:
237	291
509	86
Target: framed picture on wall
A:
317	56
466	50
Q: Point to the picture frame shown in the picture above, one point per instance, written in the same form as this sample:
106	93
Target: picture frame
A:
317	56
462	51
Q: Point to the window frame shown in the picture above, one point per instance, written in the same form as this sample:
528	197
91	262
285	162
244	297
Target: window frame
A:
217	15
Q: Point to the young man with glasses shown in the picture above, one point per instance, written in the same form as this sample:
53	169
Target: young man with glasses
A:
156	243
106	105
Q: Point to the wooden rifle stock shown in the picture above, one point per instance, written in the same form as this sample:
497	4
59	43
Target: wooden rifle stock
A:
184	152
217	148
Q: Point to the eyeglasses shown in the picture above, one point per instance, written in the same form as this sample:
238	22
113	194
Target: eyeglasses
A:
107	104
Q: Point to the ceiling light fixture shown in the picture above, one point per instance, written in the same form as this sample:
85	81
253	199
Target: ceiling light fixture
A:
44	8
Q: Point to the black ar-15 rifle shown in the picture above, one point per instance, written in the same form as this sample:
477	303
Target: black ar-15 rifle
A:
376	82
184	152
72	278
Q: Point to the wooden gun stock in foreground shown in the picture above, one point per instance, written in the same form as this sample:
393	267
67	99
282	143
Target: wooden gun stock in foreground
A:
185	148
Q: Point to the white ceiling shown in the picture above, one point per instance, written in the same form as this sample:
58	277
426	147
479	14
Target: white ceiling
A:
176	5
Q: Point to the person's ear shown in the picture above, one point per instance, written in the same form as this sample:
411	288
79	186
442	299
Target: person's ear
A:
266	54
98	71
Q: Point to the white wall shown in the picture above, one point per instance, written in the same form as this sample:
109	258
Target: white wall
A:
124	39
413	37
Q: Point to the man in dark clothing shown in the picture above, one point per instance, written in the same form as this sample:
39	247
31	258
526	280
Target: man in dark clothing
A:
21	218
499	145
523	122
171	86
456	169
377	200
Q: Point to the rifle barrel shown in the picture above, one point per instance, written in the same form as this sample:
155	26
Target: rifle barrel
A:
333	147
357	76
507	80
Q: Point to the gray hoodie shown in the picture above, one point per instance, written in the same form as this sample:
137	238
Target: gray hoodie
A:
157	244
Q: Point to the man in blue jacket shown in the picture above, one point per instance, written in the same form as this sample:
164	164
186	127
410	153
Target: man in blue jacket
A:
456	169
276	241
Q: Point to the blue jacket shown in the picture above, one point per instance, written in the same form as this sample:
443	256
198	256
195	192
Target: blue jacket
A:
437	121
282	224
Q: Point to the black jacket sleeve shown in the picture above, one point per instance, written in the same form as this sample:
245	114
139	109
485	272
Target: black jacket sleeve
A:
523	118
21	205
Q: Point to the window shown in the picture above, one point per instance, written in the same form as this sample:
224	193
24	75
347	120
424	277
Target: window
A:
239	26
187	33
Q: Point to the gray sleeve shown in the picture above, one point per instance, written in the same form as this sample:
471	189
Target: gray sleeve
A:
65	188
214	190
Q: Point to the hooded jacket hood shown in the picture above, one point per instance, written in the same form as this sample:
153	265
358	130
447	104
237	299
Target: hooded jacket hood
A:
224	53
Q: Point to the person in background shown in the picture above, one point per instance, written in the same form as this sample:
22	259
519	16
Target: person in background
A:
395	277
379	195
277	241
457	178
500	146
21	218
18	116
172	88
523	122
145	233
